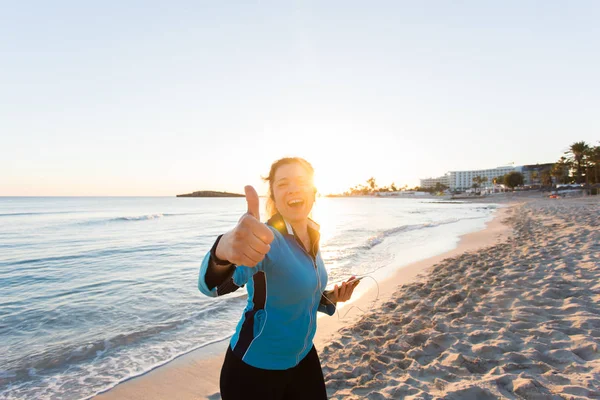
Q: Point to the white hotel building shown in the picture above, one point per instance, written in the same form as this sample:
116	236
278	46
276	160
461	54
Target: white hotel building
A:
431	182
462	180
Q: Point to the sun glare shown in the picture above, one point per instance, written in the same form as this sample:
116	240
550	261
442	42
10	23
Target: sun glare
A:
323	215
327	183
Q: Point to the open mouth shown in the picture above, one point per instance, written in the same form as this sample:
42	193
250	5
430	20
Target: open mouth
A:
295	203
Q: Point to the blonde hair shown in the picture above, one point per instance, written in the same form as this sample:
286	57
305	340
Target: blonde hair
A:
271	209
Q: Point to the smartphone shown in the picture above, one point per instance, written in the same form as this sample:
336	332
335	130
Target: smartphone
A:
352	282
356	280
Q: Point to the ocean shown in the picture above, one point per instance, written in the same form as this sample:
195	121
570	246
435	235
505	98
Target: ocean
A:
95	290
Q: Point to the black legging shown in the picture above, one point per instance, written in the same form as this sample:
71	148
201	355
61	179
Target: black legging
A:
242	381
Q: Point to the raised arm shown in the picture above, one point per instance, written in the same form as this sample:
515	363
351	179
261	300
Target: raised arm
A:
245	245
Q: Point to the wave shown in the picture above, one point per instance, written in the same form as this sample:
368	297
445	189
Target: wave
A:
159	364
97	221
135	218
37	213
380	237
374	240
90	254
352	251
44	259
88	289
59	357
146	217
140	218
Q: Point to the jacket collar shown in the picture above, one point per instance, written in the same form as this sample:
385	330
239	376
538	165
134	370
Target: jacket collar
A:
285	228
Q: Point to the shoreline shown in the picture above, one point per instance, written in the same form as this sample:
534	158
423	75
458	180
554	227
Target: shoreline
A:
195	375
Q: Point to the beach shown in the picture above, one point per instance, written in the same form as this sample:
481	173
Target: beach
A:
134	311
491	298
513	312
196	375
485	320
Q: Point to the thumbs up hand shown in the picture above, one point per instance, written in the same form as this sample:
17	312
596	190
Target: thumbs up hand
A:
249	242
252	201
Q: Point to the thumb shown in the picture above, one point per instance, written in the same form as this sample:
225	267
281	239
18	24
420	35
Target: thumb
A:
252	200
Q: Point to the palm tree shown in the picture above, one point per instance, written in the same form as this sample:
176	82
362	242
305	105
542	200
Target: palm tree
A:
479	180
560	170
372	183
439	187
593	157
577	153
546	178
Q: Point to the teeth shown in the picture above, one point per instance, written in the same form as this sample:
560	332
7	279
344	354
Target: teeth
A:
292	202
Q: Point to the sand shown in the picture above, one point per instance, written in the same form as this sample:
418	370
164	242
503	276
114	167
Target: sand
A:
517	320
513	312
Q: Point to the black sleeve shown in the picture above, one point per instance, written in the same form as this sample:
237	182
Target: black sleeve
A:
325	305
220	272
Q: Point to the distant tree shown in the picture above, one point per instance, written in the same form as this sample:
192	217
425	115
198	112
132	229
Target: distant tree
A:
498	180
422	189
513	179
440	187
478	181
393	187
534	176
372	184
546	178
560	170
359	190
577	155
593	157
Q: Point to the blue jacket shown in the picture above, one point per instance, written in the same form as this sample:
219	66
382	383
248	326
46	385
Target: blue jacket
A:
285	291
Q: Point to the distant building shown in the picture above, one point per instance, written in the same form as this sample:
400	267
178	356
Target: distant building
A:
462	180
429	183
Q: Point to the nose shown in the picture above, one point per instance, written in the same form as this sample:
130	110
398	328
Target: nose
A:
293	187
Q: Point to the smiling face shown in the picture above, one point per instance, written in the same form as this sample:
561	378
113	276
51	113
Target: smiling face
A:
293	192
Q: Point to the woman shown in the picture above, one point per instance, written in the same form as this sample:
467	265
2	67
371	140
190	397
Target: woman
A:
271	354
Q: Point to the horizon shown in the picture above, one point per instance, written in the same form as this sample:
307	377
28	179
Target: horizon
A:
113	100
320	194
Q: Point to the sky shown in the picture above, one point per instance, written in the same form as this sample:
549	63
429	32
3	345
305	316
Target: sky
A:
152	98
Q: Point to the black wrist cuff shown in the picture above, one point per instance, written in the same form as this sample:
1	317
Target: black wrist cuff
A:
213	253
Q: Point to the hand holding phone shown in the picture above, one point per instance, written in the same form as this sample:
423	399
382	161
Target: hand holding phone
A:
344	291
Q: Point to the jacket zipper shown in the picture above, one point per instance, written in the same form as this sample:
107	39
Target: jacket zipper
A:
314	263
